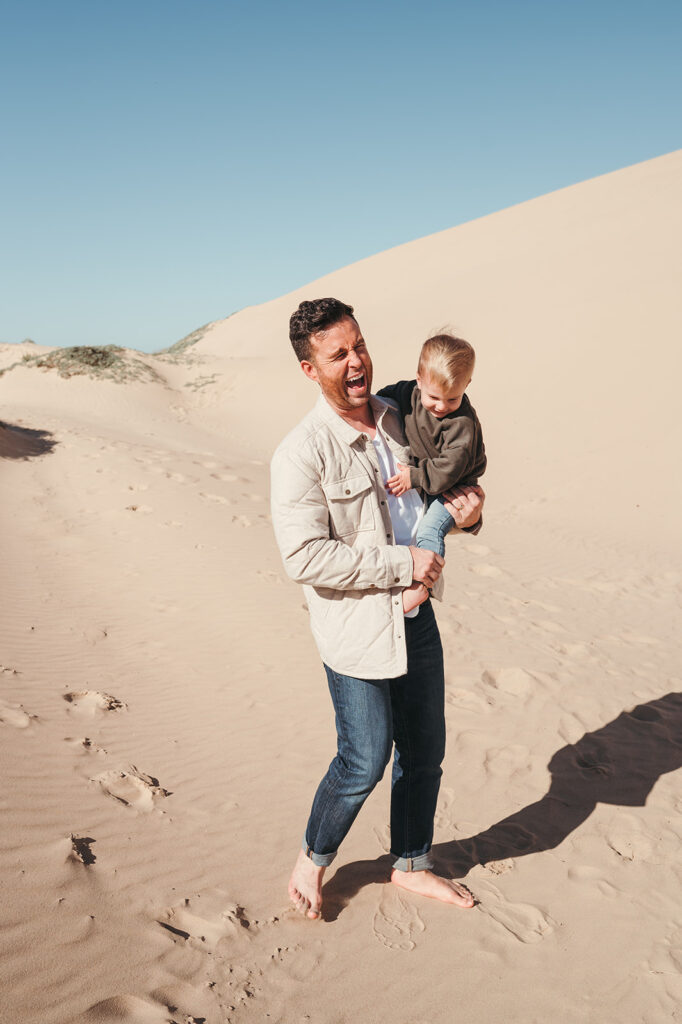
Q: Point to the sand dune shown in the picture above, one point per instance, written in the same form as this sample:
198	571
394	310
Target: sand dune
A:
163	714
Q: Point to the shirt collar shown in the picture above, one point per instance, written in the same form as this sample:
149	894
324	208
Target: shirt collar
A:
344	431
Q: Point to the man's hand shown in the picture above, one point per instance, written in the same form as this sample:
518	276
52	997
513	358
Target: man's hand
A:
426	566
399	483
465	504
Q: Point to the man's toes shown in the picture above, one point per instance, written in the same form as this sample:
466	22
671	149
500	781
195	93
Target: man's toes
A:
313	913
465	895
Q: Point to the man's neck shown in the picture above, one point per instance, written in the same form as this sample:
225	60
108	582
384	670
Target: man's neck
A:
361	419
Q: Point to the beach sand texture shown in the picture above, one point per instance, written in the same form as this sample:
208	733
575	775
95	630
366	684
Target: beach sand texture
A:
163	713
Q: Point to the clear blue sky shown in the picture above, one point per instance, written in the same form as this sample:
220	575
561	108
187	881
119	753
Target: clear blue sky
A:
167	162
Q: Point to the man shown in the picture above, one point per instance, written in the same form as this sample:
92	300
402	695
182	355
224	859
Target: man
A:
351	544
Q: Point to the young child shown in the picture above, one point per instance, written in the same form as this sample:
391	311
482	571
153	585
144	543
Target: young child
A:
444	435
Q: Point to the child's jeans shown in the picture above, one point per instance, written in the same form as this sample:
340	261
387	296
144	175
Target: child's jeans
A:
436	523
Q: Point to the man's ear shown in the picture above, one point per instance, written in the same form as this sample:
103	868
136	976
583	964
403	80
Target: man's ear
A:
309	370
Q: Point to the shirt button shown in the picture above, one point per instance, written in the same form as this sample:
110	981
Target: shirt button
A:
372	584
383	503
396	602
397	579
388	536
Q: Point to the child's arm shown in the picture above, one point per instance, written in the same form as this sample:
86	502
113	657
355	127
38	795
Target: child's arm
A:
401	394
455	464
435	475
442	472
399	483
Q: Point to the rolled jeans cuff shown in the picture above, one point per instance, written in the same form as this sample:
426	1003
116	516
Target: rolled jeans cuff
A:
424	862
320	860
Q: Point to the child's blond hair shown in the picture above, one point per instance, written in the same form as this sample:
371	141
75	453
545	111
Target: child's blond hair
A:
446	359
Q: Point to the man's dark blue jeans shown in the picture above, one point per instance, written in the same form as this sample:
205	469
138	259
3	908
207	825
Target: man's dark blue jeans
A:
373	716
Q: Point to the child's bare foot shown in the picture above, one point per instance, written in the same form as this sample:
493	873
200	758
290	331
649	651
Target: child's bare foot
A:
425	883
305	886
414	596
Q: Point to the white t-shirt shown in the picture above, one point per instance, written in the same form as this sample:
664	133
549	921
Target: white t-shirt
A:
407	510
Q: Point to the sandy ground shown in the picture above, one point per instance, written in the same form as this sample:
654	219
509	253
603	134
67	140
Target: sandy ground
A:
163	713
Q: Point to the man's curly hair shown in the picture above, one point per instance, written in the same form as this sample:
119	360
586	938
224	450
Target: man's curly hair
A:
312	318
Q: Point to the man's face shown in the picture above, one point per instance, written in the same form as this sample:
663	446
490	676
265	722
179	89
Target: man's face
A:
439	399
341	365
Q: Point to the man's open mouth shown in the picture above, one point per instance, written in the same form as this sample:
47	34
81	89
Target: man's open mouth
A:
356	383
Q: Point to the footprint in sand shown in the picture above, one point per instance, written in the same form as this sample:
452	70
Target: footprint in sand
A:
205	919
383	838
14	715
570	729
241	521
500	867
522	920
478	549
84	745
640	638
515	681
507	761
628	841
80	850
489	571
132	788
126	1010
93	702
553	608
592	879
467	700
548	626
217	498
396	923
667	954
576	650
269	576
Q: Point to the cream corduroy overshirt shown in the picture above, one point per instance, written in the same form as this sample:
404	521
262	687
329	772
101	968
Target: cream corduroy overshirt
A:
334	531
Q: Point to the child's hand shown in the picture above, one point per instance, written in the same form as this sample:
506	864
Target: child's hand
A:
399	483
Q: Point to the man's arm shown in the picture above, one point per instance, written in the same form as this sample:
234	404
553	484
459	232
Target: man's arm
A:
301	522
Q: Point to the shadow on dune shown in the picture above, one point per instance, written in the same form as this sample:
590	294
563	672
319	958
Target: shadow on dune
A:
24	443
617	764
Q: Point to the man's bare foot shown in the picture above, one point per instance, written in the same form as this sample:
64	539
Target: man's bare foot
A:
414	596
425	883
305	886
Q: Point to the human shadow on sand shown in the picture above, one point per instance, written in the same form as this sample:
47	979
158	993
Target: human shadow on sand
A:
24	443
617	764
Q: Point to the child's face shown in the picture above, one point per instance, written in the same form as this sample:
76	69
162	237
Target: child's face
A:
439	399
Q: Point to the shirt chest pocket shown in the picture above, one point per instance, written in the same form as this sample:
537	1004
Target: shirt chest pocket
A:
351	505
